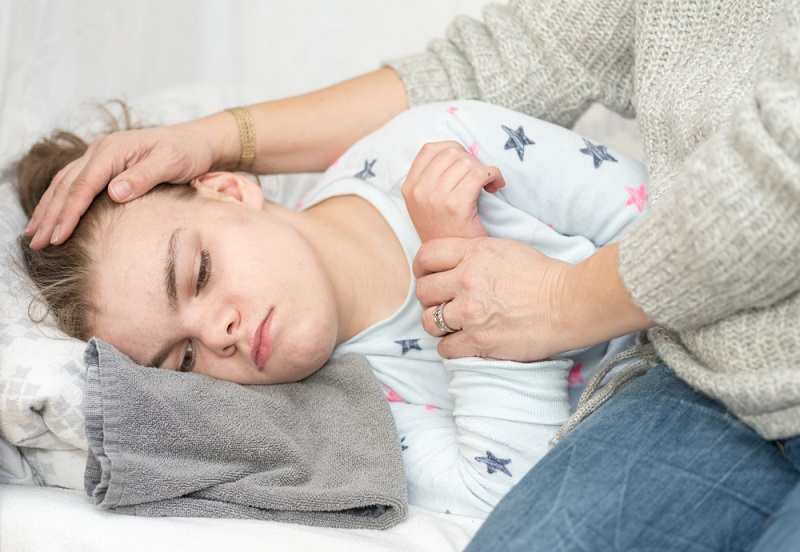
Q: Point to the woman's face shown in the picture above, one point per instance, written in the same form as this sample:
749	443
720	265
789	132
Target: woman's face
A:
215	285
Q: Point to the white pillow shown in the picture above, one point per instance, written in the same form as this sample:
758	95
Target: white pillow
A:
42	375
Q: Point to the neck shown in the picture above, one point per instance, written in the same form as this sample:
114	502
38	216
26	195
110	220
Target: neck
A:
363	258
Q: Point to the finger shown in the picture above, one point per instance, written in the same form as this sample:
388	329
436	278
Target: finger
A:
61	178
438	255
495	180
429	322
462	344
427	153
441	176
50	226
434	289
125	186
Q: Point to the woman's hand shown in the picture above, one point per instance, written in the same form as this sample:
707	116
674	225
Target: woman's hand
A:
130	163
508	301
442	188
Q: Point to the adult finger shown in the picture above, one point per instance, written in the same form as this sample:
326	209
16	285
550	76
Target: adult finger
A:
66	174
438	255
429	319
50	227
463	344
69	205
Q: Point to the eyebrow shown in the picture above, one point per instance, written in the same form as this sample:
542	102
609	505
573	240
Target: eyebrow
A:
170	279
171	286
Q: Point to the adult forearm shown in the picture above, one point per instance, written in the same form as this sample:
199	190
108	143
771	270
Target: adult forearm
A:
596	305
307	133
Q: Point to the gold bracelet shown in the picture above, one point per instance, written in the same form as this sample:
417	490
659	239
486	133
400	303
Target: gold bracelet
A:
247	137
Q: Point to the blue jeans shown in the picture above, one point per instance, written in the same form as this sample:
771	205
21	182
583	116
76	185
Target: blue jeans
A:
658	467
783	528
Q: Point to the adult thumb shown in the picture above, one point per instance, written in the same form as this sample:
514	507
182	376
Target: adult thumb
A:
131	184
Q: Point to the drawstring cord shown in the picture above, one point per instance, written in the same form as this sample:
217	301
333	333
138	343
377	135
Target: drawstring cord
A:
591	399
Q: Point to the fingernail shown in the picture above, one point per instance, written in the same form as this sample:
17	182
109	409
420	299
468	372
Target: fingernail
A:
56	232
121	190
28	229
36	235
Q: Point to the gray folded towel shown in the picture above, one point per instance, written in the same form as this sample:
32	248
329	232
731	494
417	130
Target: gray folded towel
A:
323	451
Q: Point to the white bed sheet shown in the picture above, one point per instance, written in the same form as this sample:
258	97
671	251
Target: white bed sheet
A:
41	519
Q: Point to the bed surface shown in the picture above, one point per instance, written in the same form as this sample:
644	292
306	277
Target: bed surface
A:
37	518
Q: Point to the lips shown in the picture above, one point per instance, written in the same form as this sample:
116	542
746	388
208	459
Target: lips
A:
261	347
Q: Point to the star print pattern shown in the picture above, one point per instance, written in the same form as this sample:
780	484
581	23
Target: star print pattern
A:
391	395
638	197
425	413
366	172
517	141
408	344
598	153
575	375
494	464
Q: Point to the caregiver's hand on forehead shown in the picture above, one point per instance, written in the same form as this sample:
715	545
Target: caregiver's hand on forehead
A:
131	163
503	299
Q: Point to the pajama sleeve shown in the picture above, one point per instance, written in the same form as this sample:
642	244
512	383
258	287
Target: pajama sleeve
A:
565	194
504	414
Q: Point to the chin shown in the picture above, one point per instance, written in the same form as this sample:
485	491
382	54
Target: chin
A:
306	362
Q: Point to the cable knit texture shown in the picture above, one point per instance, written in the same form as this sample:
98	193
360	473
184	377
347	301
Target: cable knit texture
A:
715	86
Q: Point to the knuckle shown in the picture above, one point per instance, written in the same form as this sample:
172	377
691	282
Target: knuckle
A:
428	148
482	340
471	279
471	312
102	142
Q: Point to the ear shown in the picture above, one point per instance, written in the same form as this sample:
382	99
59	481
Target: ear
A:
230	186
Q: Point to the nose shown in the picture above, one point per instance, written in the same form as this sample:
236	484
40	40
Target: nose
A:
220	331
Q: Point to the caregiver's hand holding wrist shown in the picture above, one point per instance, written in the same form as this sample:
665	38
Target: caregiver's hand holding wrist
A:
508	301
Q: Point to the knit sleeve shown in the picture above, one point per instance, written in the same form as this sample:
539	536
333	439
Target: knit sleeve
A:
547	58
725	237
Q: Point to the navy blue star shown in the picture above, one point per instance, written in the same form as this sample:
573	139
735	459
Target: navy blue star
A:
598	153
402	446
366	172
408	344
494	464
517	140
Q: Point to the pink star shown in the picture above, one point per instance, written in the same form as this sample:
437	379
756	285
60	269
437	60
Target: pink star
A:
575	375
431	407
391	396
638	197
452	110
475	149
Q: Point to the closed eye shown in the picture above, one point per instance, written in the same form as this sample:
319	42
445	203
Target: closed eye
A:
204	272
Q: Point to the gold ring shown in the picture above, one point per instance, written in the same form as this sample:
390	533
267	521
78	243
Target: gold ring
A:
438	318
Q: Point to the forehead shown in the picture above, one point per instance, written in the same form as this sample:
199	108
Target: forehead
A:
131	295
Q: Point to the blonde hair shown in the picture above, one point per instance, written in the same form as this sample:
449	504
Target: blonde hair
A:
64	274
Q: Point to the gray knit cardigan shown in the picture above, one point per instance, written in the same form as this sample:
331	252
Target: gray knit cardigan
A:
715	86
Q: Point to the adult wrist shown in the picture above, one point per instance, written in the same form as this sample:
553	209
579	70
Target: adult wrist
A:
247	137
221	135
601	307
